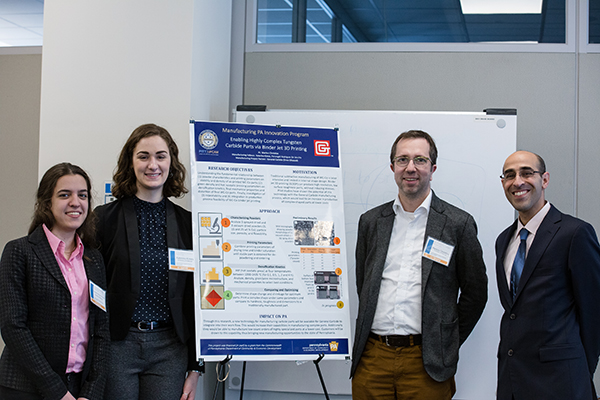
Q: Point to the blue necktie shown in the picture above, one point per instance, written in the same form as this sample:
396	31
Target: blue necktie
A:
519	262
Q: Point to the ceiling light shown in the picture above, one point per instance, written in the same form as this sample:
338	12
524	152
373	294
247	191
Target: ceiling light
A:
501	6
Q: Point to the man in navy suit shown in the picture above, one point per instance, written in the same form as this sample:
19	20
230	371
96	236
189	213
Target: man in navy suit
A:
549	285
421	282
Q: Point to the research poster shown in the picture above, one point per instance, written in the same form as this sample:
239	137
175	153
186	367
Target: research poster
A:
269	242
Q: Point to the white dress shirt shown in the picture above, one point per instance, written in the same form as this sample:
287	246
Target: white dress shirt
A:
532	227
398	309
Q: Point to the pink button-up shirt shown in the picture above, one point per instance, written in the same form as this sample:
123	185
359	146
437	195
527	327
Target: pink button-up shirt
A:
73	271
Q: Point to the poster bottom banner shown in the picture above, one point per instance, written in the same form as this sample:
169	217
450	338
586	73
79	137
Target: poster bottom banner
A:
210	347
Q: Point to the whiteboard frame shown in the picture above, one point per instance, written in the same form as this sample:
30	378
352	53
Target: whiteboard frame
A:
366	138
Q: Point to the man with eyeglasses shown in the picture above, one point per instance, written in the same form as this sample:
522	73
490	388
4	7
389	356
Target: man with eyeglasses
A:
548	275
421	281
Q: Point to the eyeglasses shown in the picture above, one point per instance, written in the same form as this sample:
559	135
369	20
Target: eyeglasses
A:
526	173
403	161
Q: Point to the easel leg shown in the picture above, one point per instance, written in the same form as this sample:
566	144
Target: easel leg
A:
221	377
243	378
317	361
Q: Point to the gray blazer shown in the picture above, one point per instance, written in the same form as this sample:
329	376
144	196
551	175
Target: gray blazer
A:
447	318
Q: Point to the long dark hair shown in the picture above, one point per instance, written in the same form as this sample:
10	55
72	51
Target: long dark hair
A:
42	213
124	178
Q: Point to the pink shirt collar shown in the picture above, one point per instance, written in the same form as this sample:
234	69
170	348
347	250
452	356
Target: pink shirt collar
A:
55	243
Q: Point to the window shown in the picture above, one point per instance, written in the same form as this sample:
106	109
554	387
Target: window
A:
303	21
594	21
413	21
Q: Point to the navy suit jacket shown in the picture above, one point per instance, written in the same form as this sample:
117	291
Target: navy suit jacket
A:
447	317
35	320
550	334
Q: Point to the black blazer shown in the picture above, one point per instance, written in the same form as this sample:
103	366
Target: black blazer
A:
550	334
117	233
453	296
35	320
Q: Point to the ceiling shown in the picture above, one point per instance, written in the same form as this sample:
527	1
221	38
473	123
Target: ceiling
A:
21	22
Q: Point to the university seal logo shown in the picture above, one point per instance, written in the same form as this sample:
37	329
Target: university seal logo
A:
208	139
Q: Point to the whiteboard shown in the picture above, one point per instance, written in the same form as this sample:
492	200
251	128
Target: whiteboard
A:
472	148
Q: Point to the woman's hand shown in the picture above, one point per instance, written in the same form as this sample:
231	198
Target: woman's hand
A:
190	385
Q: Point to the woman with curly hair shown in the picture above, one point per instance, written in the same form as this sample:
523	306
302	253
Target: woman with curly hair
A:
151	307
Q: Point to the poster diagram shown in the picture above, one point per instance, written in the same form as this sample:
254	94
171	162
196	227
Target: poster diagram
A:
210	245
269	242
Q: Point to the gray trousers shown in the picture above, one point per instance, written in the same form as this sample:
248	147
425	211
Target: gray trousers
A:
147	366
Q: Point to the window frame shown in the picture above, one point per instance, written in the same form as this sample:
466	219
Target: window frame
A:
574	38
584	29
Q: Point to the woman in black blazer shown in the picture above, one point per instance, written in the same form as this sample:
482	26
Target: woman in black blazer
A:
56	336
151	307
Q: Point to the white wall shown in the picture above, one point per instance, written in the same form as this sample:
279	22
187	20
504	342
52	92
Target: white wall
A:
109	67
211	56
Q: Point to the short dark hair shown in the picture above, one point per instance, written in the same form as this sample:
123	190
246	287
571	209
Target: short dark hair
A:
42	213
542	164
124	177
416	134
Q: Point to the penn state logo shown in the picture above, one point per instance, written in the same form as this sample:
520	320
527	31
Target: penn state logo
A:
208	139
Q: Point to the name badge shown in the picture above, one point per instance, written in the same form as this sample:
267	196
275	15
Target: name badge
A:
98	296
438	251
181	260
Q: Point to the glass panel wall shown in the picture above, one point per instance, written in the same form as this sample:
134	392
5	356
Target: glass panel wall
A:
412	21
594	21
